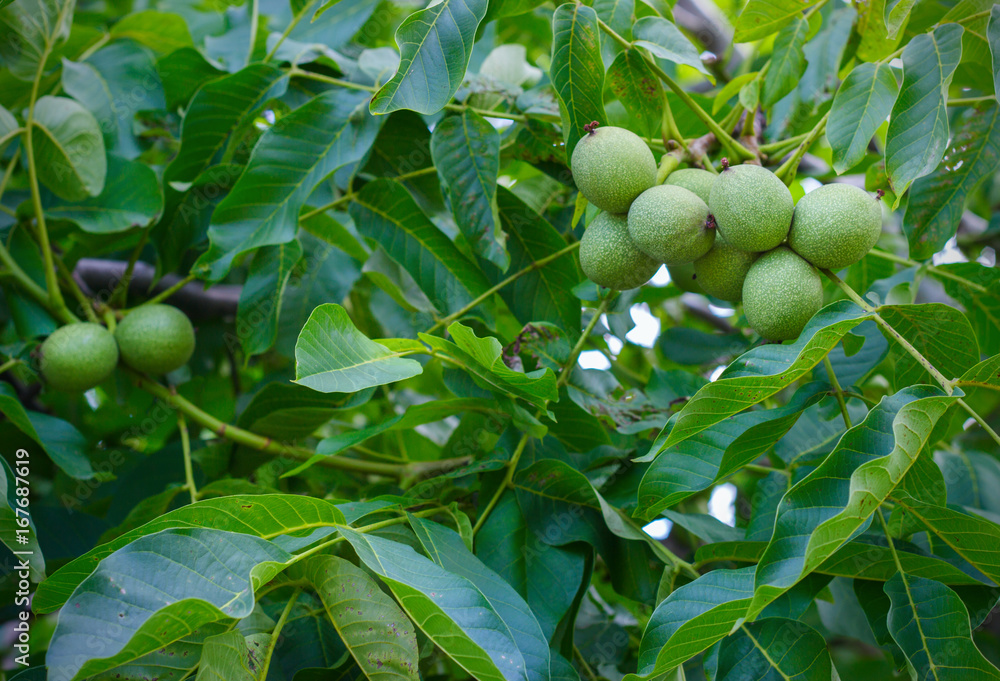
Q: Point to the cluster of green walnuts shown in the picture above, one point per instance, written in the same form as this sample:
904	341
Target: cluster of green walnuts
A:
153	339
736	236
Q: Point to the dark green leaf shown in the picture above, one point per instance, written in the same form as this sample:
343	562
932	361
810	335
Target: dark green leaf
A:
227	656
162	32
577	70
31	28
267	516
116	83
446	548
69	149
435	46
788	62
544	294
918	125
977	288
217	108
260	299
466	152
285	411
761	18
940	333
291	158
860	106
383	210
763	372
639	91
666	41
331	355
937	200
448	608
774	649
64	444
993	34
183	73
16	523
717	452
931	624
165	601
823	511
378	635
130	198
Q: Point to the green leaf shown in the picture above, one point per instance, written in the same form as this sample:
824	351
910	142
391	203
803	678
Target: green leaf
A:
69	149
265	515
380	638
162	32
940	333
260	299
977	288
827	508
448	608
638	89
762	372
545	293
64	444
216	109
466	152
931	624
8	127
115	84
937	200
131	198
761	18
971	537
860	106
30	28
483	358
17	527
577	70
692	618
184	72
730	90
896	14
292	157
226	656
986	374
435	45
447	549
855	560
788	62
331	355
918	125
415	415
384	211
169	599
774	649
618	14
717	452
666	41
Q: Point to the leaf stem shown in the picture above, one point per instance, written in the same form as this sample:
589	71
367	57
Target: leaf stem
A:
512	278
980	420
121	288
186	450
732	145
9	364
276	634
837	390
934	269
288	29
167	292
962	101
786	172
254	20
906	345
85	303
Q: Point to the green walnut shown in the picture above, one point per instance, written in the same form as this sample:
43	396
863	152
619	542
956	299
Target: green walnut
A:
752	207
77	357
684	277
611	166
155	339
780	294
721	271
835	225
694	180
670	224
609	258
